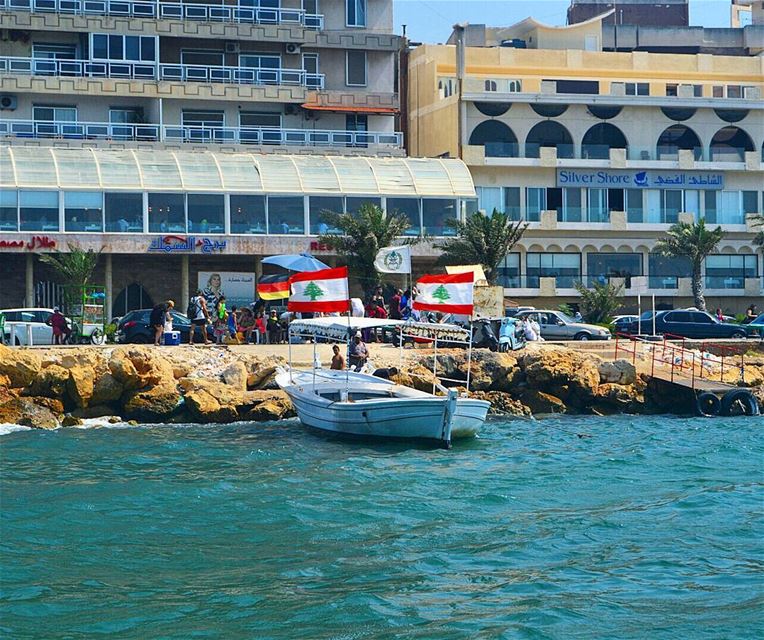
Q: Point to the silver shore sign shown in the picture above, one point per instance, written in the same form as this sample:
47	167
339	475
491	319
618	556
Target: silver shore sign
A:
631	179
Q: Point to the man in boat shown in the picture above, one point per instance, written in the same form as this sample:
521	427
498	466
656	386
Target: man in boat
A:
386	373
338	362
359	352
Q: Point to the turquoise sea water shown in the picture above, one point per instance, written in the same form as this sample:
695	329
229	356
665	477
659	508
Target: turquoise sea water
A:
629	527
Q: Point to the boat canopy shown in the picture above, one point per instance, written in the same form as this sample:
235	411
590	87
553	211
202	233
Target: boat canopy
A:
341	327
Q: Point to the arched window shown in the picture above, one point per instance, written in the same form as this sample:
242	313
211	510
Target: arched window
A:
600	139
497	138
550	110
604	112
731	115
676	137
132	297
730	144
493	109
678	113
549	134
490	85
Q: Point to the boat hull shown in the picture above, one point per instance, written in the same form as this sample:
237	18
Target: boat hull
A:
418	415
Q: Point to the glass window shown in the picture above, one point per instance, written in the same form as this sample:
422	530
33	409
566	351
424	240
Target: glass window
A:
129	115
512	203
203	57
124	212
408	207
692	203
206	213
83	211
598	206
728	271
354	204
259	119
9	215
634	207
260	61
489	199
38	210
435	213
50	113
355	68
122	47
711	199
671	205
602	266
167	213
248	214
750	201
317	206
571	210
665	271
509	271
535	203
731	208
355	13
286	215
565	267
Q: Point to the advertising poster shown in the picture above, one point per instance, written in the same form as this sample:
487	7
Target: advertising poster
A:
238	288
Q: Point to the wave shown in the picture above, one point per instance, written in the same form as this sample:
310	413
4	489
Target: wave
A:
5	429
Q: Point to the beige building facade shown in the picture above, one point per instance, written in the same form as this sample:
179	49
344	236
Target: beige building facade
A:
600	152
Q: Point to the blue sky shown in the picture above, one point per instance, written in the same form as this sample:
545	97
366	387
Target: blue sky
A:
431	20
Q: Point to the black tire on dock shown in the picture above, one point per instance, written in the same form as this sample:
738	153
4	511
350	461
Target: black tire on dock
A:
709	404
742	401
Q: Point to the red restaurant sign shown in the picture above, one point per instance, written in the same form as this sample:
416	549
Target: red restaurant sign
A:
37	242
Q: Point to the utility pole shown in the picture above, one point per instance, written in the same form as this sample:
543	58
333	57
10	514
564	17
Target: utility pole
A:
459	29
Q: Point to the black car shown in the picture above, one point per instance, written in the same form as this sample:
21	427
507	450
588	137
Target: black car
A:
686	323
134	327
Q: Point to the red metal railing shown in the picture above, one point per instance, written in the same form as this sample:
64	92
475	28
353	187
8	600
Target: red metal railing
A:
673	357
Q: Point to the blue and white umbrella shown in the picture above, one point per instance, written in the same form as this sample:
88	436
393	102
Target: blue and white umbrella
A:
296	262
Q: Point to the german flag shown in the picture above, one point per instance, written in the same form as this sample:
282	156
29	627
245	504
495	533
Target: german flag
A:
275	287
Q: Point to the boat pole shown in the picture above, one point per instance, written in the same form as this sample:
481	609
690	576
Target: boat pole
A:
289	350
435	364
469	358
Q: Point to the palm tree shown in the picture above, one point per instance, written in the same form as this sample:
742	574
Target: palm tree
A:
696	242
482	239
75	267
359	237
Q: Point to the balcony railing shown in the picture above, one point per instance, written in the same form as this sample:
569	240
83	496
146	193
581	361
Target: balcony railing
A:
171	11
725	281
198	134
167	71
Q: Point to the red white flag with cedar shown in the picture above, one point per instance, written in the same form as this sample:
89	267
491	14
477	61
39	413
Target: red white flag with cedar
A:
324	291
446	293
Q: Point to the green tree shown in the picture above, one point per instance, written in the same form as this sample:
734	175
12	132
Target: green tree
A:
599	304
75	268
441	293
313	291
482	239
696	242
758	222
360	237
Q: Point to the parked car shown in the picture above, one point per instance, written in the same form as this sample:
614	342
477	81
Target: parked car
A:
556	325
134	328
24	320
688	323
621	321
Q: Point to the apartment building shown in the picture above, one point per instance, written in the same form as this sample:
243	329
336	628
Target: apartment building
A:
180	138
601	151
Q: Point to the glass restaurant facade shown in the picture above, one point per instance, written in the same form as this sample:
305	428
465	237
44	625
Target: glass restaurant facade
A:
164	219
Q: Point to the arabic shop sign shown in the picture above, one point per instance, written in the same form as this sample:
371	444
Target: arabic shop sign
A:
36	242
186	244
640	179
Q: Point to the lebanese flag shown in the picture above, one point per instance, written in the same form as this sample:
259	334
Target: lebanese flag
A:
446	293
275	287
325	291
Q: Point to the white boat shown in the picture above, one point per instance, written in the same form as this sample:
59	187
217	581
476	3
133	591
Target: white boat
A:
358	404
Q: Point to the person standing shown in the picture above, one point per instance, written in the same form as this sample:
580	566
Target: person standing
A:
395	305
157	319
260	328
274	328
201	317
61	330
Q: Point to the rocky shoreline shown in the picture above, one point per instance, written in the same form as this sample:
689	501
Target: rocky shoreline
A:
49	388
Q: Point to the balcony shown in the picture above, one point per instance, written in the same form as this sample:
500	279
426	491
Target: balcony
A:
233	13
168	72
200	135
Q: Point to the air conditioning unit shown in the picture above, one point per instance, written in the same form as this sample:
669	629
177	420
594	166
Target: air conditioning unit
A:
8	103
232	47
292	48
